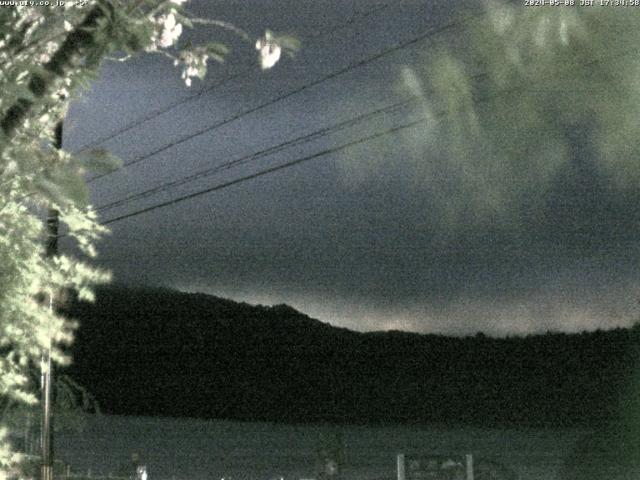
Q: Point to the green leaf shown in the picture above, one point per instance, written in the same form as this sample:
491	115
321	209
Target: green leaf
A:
64	187
216	51
288	43
99	161
184	20
215	47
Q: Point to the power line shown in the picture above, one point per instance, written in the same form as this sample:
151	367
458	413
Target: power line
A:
330	76
301	140
266	171
329	151
167	108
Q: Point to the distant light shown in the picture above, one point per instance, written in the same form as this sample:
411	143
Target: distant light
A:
141	473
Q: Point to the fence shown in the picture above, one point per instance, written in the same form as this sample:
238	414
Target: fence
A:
63	471
450	467
408	467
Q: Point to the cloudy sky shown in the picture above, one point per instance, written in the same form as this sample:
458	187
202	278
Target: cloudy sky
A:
376	235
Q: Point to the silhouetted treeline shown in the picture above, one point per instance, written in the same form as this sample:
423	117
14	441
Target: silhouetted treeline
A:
160	352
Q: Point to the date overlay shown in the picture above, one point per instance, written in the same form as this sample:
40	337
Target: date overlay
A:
582	3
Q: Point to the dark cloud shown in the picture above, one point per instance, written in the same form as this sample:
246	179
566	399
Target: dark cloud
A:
363	238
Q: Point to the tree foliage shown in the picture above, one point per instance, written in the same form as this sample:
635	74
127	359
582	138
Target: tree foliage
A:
48	55
516	93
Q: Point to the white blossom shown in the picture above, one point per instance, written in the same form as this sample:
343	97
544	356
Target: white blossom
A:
50	48
194	65
61	93
171	30
269	49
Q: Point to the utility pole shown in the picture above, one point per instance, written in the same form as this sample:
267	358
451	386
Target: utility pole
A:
46	442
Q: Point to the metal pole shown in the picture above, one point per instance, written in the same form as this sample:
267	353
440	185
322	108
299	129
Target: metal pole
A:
53	221
469	464
47	417
401	467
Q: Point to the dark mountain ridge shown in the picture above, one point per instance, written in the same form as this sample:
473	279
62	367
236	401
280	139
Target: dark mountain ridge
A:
162	352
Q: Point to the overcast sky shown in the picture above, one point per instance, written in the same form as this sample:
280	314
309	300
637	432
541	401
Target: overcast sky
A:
364	237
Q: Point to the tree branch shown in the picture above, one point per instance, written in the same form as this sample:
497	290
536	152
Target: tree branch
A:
80	41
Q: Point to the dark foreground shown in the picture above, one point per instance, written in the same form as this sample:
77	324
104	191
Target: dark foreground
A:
188	449
161	352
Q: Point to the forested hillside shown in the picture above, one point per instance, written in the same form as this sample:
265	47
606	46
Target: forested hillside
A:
161	352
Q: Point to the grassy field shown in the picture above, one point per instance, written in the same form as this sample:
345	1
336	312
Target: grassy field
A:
184	449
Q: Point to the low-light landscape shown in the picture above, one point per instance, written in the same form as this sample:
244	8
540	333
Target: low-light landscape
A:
272	380
319	240
163	352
